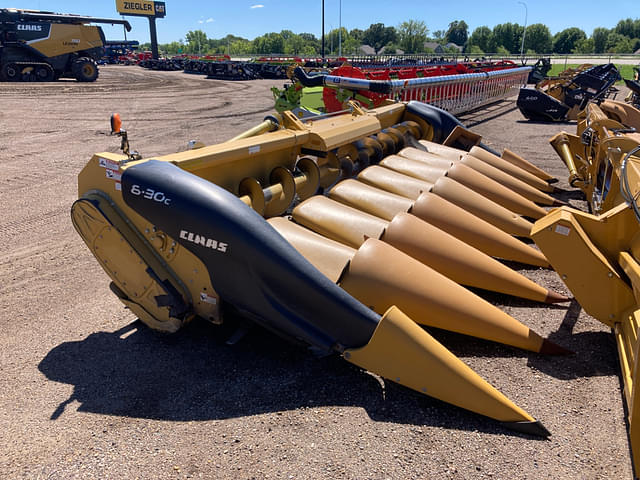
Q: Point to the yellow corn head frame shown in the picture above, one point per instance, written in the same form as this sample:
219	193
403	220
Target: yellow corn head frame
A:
346	233
597	253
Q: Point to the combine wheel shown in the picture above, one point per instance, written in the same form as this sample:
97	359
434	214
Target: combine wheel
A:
85	70
11	72
44	73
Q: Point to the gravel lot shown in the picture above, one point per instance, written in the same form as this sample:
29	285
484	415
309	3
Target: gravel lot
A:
88	392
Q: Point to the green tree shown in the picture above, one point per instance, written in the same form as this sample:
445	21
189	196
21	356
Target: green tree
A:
357	34
268	43
599	37
482	37
311	44
333	38
538	38
240	47
412	34
584	46
458	32
618	43
173	48
566	40
438	35
628	28
293	44
508	35
377	36
197	41
474	50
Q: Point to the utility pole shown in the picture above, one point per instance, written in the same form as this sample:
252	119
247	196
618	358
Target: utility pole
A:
322	31
340	32
526	12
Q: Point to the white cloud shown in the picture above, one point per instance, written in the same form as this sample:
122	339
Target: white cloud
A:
200	21
209	20
257	6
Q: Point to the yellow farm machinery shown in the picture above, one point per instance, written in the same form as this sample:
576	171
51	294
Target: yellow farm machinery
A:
38	46
350	233
597	254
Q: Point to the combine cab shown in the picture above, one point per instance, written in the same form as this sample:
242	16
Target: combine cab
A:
347	234
40	46
563	97
598	254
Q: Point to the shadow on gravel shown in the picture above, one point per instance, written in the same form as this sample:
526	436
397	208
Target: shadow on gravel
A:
195	376
595	352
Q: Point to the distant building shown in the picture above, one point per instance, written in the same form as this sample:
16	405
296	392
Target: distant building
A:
435	46
369	50
453	45
366	50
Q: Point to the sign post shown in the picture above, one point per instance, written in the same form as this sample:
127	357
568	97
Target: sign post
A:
144	8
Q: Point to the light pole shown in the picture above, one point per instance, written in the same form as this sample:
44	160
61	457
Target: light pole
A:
322	31
340	32
526	12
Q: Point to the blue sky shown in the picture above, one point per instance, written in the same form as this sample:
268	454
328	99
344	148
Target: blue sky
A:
252	18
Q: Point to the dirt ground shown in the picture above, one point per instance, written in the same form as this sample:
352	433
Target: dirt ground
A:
87	392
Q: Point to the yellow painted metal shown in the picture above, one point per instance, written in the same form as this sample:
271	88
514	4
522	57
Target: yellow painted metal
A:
459	261
433	159
268	125
520	162
428	367
369	199
511	169
120	252
513	183
444	151
413	168
468	177
503	178
450	190
597	254
462	138
67	38
442	214
482	207
101	176
595	168
572	241
381	276
394	182
441	251
495	191
475	231
338	222
622	112
328	256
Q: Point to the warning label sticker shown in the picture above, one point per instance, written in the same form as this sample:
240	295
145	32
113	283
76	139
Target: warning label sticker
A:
110	164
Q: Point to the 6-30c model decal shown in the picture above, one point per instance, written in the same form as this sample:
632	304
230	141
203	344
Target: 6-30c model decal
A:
151	194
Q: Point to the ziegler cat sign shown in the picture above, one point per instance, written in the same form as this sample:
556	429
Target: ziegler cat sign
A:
141	8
